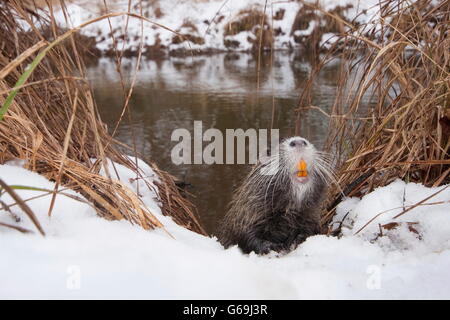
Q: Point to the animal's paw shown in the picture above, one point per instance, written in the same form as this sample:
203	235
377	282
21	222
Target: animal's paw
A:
299	239
264	247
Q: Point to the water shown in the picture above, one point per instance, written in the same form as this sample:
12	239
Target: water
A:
221	91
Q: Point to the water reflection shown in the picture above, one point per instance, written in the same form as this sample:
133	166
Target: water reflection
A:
220	90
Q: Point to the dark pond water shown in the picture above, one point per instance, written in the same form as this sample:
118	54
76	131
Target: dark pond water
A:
221	91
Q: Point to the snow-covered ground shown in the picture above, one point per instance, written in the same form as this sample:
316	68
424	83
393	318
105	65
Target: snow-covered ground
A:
84	256
209	20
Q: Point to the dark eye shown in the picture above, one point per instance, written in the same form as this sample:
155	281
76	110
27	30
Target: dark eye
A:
292	144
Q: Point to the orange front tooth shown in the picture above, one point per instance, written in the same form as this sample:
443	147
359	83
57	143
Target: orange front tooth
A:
302	174
302	165
302	169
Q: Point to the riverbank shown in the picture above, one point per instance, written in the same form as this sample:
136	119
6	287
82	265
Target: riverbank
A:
51	123
191	27
125	231
86	257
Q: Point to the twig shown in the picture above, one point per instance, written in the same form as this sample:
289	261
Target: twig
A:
20	229
404	211
7	208
23	206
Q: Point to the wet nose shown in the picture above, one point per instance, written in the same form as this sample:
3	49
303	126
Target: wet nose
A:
298	143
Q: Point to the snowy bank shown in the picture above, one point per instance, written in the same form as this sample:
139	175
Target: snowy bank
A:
84	256
214	25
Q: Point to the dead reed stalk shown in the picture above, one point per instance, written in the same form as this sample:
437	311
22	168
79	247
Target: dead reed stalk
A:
53	123
402	97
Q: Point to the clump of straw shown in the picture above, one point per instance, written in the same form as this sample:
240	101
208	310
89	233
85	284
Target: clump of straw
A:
52	121
404	130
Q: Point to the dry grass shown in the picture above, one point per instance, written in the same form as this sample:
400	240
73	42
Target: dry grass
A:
405	68
53	124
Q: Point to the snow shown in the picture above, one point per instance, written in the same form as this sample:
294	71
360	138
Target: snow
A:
85	256
327	40
432	220
142	184
307	31
210	19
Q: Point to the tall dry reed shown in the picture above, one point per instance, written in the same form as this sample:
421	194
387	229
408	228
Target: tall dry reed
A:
394	120
53	123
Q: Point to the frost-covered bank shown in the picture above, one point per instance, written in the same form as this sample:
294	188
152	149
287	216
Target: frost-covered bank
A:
215	25
84	256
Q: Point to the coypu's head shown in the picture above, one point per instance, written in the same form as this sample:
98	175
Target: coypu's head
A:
299	159
306	167
296	170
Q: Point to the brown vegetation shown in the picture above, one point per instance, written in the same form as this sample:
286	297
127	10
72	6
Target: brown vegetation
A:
53	124
254	21
187	32
404	133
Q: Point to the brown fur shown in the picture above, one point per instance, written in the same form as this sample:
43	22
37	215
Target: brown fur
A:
268	213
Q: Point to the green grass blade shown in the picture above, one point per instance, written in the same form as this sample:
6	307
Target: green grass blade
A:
20	187
28	71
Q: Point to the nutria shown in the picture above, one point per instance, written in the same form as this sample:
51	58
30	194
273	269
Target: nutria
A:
278	205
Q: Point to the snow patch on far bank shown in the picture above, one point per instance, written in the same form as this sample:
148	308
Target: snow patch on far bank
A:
208	20
85	256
